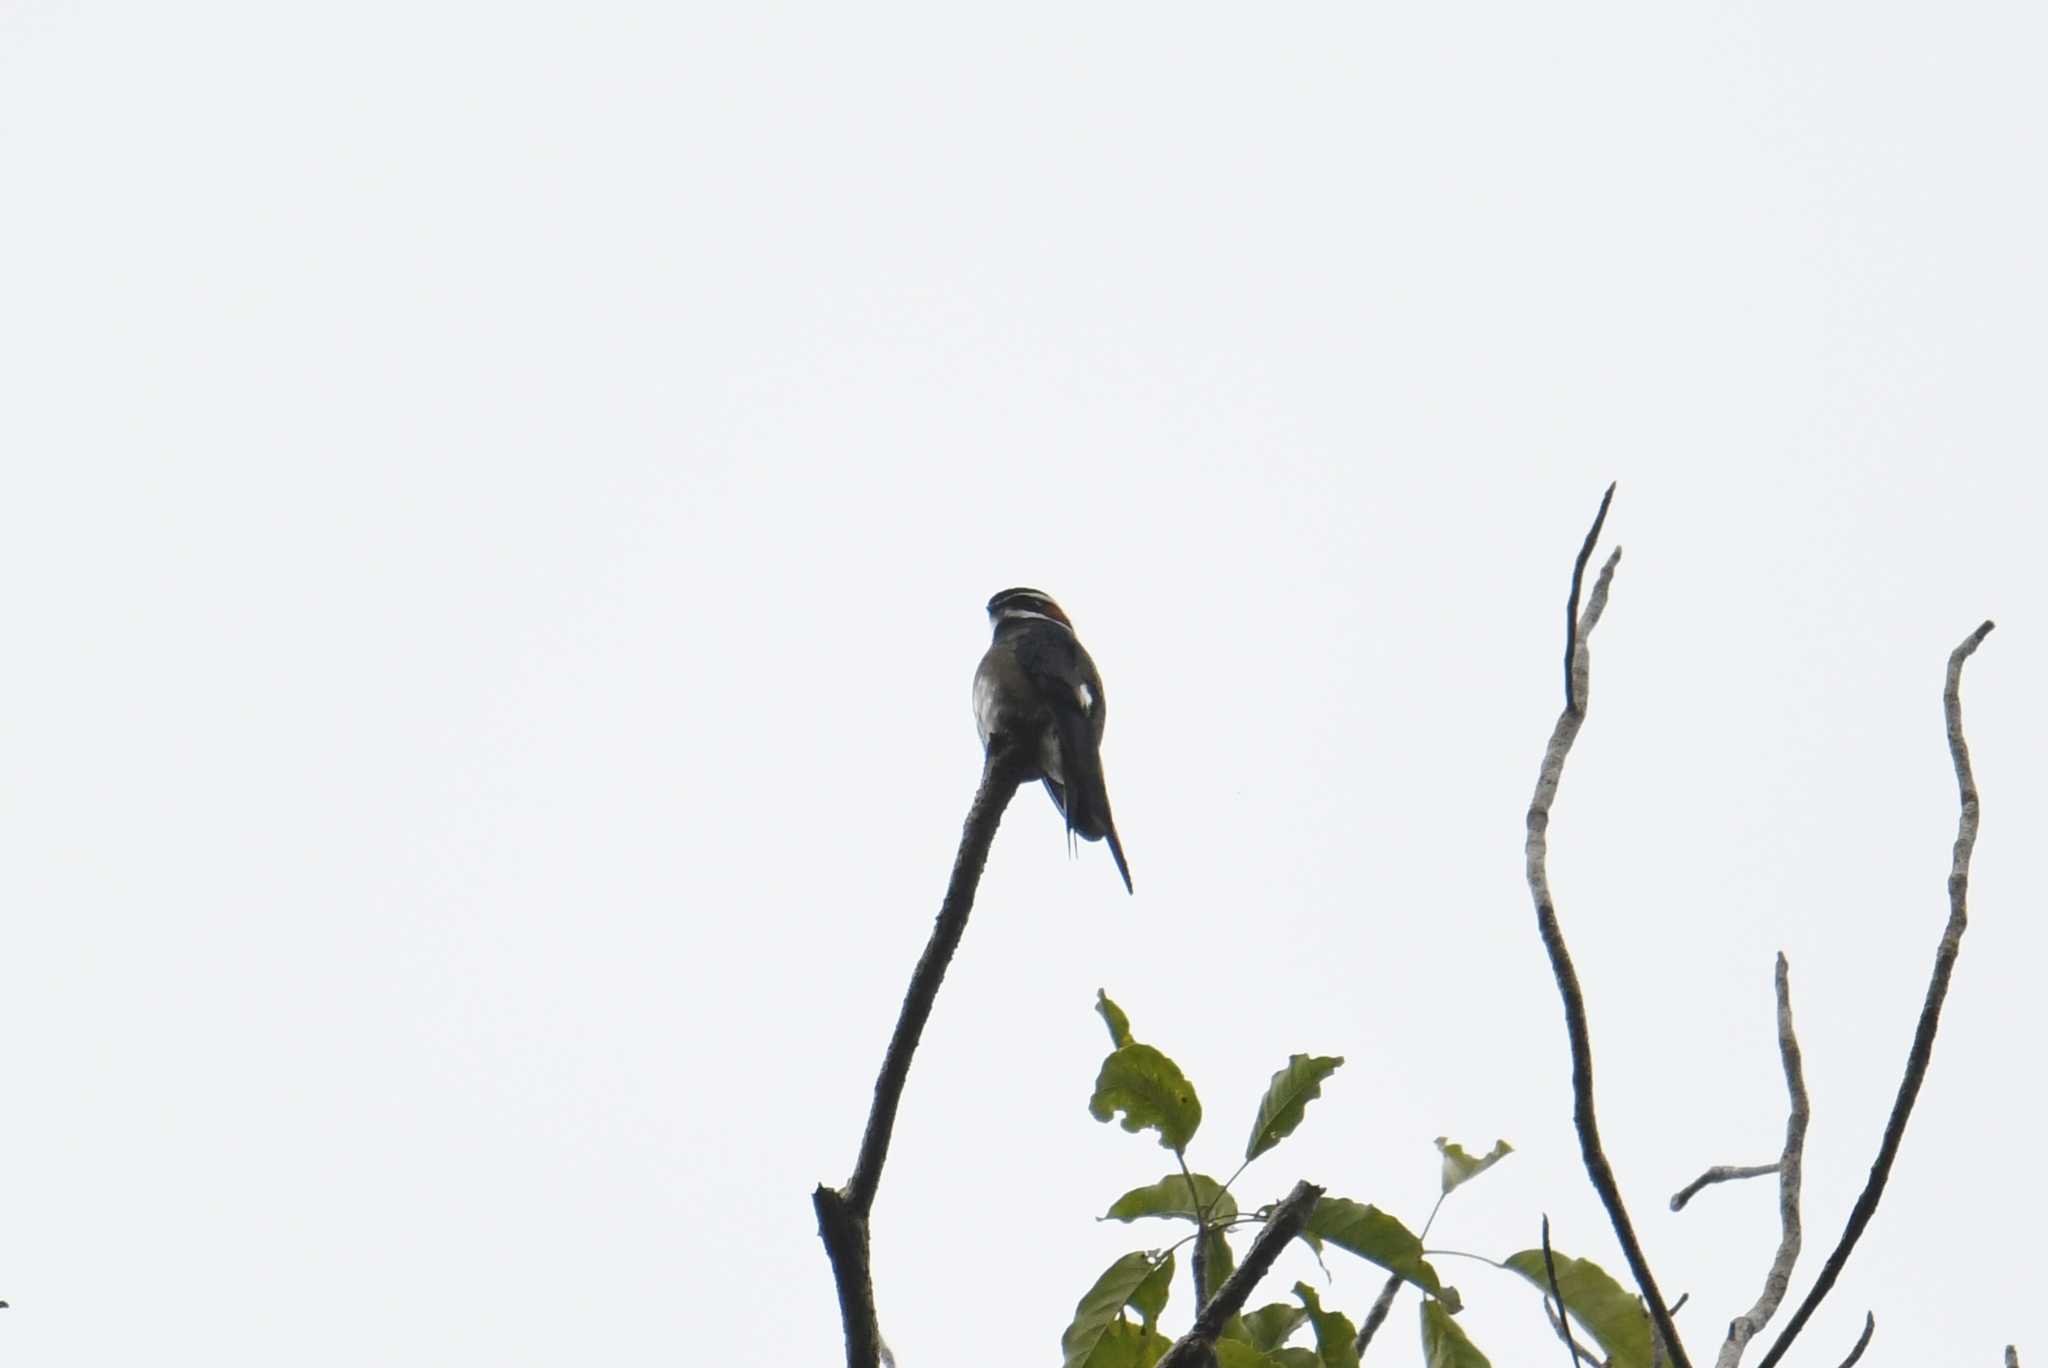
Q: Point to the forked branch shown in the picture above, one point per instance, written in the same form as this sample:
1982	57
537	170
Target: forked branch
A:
1930	1011
1536	852
1789	1168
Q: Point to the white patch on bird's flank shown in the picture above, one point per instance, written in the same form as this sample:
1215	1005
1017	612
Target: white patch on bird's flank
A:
1087	697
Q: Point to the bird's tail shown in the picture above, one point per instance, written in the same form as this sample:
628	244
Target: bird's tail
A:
1116	851
1087	796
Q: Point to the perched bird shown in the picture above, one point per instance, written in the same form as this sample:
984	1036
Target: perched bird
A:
1037	686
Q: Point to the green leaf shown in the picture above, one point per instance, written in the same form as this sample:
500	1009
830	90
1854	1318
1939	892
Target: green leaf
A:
1150	1297
1287	1098
1232	1353
1170	1197
1611	1315
1113	1016
1378	1238
1151	1092
1336	1336
1125	1345
1461	1168
1443	1344
1294	1356
1101	1308
1270	1326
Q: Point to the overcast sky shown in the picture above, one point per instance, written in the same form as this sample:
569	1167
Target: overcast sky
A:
499	502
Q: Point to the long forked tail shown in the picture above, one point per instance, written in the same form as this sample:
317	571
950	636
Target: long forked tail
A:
1116	850
1087	797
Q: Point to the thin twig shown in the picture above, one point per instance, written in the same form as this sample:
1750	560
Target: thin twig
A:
1384	1303
1377	1316
1571	607
1862	1340
1537	851
843	1212
1930	1011
1559	1327
1720	1173
1198	1345
1557	1294
1201	1255
1791	1168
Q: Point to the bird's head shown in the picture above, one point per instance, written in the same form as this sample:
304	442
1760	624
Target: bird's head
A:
1025	604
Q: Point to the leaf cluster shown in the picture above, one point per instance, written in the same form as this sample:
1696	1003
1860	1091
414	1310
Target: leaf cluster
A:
1116	1323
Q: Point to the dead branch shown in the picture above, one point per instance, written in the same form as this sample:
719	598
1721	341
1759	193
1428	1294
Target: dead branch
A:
1550	1269
1597	1167
1930	1011
1790	1168
1862	1340
1720	1173
843	1212
1377	1316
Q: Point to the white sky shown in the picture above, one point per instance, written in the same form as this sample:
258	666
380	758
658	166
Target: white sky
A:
499	503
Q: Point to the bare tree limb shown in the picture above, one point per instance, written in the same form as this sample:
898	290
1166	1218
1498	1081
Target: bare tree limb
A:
1559	1327
1377	1316
1550	1271
1572	692
1930	1011
1198	1345
1720	1173
2012	1356
843	1212
1862	1340
1790	1167
1597	1167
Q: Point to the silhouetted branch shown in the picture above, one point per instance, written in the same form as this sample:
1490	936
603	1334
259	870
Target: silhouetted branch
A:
1790	1167
1587	1123
1930	1011
843	1212
1862	1340
1720	1173
1550	1262
1198	1345
1562	1329
2012	1356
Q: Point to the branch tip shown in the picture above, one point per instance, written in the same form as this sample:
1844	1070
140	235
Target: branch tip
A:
1921	1054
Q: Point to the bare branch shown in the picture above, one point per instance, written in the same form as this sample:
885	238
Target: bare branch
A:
1377	1316
1550	1270
1862	1340
1563	1331
1572	693
843	1212
1198	1345
1930	1011
1597	1167
1720	1173
1791	1167
2012	1357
